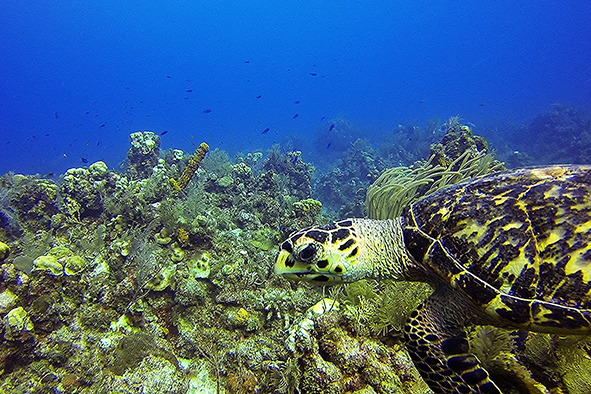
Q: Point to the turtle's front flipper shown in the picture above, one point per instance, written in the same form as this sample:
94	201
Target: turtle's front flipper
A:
438	346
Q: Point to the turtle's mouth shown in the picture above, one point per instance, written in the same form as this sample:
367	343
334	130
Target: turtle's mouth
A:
320	279
293	269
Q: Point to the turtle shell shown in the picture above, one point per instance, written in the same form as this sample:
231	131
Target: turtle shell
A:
516	245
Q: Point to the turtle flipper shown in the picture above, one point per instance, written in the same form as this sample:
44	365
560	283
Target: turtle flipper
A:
440	350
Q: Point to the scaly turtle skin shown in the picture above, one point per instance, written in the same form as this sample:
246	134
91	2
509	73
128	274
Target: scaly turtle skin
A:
511	250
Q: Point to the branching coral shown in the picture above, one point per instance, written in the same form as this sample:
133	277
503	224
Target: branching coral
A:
460	155
400	186
192	166
397	187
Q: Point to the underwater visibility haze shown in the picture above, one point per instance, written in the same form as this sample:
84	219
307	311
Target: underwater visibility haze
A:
78	77
167	168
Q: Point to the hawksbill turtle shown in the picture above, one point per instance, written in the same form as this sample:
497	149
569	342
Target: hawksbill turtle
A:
511	250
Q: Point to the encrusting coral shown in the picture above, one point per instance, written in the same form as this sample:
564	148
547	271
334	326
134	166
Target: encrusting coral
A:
192	166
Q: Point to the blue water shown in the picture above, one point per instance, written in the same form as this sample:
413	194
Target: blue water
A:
77	77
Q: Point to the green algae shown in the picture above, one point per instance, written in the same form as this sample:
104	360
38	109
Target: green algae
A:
265	238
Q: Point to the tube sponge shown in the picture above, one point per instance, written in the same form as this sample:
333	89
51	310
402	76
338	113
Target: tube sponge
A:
192	166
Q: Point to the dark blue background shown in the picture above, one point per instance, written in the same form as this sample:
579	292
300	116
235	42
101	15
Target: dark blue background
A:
69	67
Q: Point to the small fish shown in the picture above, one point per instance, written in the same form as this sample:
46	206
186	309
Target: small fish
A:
103	125
331	127
247	61
259	96
321	119
313	74
98	143
295	116
296	102
265	131
84	160
328	146
168	76
421	101
207	111
483	104
47	134
189	90
55	114
164	132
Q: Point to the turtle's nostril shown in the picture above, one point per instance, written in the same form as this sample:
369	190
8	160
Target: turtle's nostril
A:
322	264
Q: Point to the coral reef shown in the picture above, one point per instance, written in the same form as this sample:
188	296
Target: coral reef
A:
457	140
342	189
82	189
560	135
406	144
334	359
33	200
116	282
291	173
116	277
142	155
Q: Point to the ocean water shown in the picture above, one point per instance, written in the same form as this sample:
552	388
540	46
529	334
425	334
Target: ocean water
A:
77	77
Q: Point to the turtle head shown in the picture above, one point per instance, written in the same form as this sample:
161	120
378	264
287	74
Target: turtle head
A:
339	252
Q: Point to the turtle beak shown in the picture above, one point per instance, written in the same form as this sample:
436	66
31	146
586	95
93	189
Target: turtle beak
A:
286	264
290	268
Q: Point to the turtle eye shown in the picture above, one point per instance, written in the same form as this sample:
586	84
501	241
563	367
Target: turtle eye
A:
308	253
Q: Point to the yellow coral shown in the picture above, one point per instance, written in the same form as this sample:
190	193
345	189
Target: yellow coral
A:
183	235
17	325
192	166
4	251
242	316
308	205
162	237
